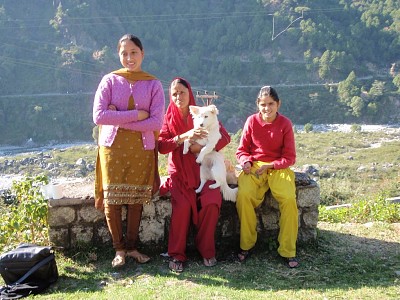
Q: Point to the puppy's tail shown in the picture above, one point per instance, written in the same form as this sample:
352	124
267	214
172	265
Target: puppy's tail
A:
228	193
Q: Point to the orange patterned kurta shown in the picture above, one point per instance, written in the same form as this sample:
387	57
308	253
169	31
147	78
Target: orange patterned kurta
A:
125	171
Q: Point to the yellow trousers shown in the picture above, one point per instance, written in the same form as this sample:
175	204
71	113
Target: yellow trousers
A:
251	193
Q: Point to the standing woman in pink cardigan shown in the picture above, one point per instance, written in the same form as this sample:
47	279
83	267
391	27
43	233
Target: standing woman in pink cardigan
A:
128	107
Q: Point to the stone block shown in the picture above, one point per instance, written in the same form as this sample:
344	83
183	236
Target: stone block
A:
102	233
90	214
59	237
61	216
308	195
81	234
310	218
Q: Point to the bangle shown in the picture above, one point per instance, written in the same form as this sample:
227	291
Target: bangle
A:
177	139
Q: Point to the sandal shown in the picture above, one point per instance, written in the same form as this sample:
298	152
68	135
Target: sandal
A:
243	255
119	259
210	262
139	257
175	265
292	262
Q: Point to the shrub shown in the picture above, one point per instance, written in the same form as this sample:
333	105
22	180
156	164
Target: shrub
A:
308	127
24	219
362	211
355	128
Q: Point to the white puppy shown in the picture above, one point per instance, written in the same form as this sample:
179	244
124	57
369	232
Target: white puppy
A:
212	162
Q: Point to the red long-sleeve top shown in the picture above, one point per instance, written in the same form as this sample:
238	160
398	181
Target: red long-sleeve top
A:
268	142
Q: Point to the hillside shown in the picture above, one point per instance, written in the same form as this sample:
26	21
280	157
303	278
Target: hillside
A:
333	61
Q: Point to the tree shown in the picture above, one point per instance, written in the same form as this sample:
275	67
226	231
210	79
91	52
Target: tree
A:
357	104
324	65
377	89
396	81
372	108
348	88
58	18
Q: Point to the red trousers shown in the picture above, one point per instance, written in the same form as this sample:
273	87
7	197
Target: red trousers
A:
209	204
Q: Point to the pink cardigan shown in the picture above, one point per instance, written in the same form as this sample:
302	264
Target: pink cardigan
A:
116	90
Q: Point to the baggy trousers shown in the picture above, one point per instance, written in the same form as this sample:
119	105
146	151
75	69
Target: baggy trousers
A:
209	202
114	222
251	193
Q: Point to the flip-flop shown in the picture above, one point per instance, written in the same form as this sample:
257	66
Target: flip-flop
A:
175	265
292	262
210	262
243	255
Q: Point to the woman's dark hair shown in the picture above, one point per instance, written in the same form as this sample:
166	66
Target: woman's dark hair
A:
132	38
268	91
183	82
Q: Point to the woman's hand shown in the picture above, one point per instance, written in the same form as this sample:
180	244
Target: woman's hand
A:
246	167
194	134
264	168
143	115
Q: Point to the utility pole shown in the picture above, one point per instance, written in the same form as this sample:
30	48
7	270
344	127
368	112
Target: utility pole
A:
206	98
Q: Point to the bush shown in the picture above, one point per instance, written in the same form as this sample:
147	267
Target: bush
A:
308	127
24	219
362	211
355	128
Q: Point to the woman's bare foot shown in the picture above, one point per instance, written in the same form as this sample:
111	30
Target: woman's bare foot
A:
139	257
210	262
119	259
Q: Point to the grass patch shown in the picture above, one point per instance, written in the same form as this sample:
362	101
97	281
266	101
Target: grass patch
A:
363	211
350	261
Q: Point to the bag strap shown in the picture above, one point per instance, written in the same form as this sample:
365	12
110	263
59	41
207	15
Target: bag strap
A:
34	268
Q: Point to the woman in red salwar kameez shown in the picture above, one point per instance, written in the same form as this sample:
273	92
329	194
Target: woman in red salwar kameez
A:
202	209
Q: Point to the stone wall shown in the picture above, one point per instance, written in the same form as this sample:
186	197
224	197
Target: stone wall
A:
75	220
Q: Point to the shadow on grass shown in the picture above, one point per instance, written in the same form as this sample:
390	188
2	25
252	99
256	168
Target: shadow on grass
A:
336	261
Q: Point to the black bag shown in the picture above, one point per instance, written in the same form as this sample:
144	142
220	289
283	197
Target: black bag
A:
28	269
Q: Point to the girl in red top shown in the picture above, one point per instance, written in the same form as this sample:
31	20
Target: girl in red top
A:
184	178
266	151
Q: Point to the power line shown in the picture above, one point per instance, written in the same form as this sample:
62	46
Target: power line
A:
124	19
137	19
291	23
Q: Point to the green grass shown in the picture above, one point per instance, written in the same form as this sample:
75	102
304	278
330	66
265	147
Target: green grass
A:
363	211
350	261
356	255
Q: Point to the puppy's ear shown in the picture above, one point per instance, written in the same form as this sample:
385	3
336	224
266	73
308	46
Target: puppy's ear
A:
194	110
213	109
